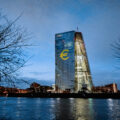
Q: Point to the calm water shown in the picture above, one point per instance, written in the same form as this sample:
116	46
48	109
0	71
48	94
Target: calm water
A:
59	109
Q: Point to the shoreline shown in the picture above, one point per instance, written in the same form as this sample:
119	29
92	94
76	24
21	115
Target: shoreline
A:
64	95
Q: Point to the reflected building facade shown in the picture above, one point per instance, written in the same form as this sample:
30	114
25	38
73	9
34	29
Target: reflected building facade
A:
71	64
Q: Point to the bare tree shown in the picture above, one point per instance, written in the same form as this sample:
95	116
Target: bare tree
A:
12	43
116	52
116	48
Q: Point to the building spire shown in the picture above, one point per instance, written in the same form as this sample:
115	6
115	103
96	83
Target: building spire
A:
77	29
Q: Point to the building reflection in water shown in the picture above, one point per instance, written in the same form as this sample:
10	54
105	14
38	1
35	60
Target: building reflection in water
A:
113	109
59	109
63	109
83	109
74	109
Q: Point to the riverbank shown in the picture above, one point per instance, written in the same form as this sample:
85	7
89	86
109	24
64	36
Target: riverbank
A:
64	95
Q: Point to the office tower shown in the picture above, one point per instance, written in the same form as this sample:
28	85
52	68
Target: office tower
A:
71	64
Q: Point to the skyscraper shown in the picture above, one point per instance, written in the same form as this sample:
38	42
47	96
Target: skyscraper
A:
71	63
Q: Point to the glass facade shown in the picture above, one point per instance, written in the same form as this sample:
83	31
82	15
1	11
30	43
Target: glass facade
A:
64	57
72	69
82	71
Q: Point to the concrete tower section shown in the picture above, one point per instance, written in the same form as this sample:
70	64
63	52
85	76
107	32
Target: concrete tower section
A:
71	63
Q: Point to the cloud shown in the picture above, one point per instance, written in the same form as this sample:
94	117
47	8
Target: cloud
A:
39	73
26	84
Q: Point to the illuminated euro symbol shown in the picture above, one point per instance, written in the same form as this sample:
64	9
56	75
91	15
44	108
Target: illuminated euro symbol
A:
64	54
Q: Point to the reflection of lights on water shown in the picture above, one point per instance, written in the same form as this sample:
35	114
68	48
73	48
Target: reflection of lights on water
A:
109	99
52	100
110	104
90	100
58	99
84	109
71	100
18	105
18	100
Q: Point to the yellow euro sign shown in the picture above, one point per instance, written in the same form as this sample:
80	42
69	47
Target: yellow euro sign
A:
64	54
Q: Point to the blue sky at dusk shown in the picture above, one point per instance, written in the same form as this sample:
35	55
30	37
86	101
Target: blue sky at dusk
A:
98	20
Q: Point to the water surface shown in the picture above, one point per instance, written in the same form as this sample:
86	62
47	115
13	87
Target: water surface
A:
59	109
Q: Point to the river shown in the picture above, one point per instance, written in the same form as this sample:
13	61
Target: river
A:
13	108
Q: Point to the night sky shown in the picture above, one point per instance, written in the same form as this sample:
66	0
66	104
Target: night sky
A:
98	20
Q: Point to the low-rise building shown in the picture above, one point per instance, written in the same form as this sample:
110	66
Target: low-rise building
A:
37	88
110	88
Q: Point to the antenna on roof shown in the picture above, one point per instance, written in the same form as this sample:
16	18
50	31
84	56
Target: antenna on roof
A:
77	29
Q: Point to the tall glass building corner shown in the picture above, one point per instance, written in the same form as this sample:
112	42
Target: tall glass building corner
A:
71	63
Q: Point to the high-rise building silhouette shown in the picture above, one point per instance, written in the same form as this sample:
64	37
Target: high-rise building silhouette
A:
72	70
